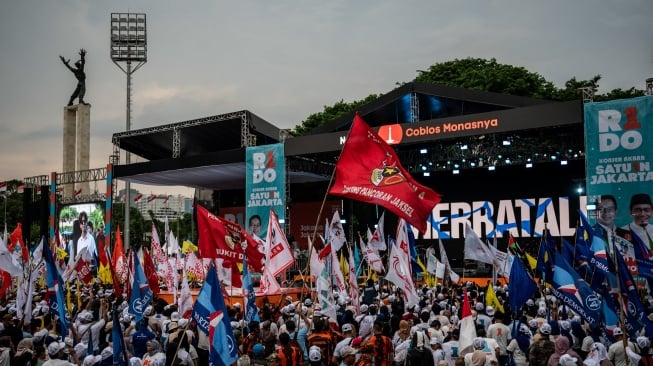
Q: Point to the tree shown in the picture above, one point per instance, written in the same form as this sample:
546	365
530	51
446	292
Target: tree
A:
480	74
136	223
330	113
488	75
68	213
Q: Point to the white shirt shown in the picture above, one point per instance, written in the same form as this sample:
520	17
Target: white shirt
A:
501	333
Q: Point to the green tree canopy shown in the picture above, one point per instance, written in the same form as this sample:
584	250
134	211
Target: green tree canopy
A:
479	74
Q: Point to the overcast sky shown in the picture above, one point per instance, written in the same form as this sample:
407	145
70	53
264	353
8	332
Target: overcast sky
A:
283	60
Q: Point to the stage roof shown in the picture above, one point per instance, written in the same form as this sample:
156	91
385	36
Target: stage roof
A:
206	153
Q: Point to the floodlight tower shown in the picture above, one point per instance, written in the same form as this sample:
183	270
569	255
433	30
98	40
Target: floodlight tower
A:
128	44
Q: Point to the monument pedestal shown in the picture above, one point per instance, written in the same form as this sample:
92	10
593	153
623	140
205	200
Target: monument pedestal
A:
76	144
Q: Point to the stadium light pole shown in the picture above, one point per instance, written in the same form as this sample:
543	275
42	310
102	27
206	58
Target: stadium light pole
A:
128	44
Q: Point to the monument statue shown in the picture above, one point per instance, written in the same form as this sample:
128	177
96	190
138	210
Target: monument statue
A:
78	71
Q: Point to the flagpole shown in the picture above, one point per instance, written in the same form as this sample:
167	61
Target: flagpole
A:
317	219
623	308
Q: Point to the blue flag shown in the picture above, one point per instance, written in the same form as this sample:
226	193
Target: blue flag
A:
210	314
251	311
643	257
55	295
357	261
412	249
574	292
119	347
141	295
521	286
545	257
635	314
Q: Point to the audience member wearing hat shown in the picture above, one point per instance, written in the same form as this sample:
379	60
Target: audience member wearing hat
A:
58	357
562	348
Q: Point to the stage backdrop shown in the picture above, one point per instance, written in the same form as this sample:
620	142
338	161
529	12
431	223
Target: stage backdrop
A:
265	187
619	151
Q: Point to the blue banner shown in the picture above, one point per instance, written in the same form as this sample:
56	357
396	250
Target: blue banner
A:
265	187
618	151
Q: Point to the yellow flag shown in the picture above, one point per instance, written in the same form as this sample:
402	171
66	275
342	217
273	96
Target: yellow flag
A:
104	274
61	254
532	262
492	300
69	303
188	247
344	266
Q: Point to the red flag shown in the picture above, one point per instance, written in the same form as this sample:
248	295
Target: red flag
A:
5	277
16	237
151	198
138	197
3	186
369	170
77	192
150	272
118	263
219	238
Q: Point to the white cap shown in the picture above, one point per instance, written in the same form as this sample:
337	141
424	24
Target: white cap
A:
347	328
617	331
479	306
314	354
174	316
55	347
567	360
489	311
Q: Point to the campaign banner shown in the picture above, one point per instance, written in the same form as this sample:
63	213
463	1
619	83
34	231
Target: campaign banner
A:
265	186
618	151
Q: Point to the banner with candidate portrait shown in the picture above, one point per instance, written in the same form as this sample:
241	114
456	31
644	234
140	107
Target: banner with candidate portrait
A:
618	151
265	187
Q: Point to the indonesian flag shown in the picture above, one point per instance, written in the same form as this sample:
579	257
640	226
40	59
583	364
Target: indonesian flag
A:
316	264
3	186
369	170
399	271
151	198
220	238
377	240
371	256
467	327
278	256
77	192
165	200
138	197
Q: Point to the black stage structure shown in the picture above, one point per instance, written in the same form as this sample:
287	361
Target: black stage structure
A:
466	144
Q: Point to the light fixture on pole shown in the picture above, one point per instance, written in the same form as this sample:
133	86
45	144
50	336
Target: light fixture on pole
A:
128	44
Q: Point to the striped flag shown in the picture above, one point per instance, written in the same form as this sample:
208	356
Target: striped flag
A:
3	186
138	197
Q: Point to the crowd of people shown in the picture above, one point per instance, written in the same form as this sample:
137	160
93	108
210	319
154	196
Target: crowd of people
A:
383	331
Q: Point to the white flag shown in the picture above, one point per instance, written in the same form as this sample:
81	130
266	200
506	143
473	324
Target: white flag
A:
377	240
353	282
324	292
445	259
399	271
269	284
475	249
8	262
372	257
316	264
440	270
278	255
336	233
185	305
336	272
431	264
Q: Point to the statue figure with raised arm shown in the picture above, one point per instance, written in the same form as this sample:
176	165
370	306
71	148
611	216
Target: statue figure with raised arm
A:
78	71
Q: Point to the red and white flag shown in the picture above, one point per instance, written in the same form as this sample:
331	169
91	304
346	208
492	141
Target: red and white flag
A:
77	192
399	271
185	305
278	255
377	240
165	200
3	186
467	327
371	256
269	284
138	197
151	198
336	234
194	265
369	170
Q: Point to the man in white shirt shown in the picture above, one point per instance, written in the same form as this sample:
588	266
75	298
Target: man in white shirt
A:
501	333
